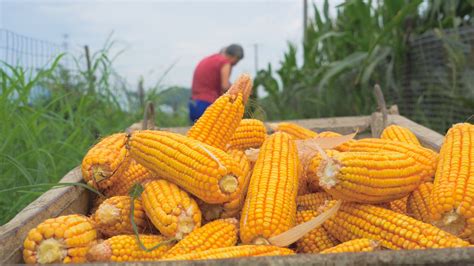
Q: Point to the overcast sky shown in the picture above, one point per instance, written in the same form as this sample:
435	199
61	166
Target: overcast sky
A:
157	34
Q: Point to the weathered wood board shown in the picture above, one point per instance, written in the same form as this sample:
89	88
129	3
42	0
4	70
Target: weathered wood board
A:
69	199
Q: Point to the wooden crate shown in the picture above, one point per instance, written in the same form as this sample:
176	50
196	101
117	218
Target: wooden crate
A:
69	200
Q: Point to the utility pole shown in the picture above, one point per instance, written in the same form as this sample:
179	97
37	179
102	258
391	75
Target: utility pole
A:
255	49
305	19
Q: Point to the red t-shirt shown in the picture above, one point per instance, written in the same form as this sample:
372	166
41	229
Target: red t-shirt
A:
207	78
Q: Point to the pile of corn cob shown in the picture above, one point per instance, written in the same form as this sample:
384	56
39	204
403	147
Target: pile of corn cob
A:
203	198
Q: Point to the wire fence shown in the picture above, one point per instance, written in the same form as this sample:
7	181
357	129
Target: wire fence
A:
438	80
26	52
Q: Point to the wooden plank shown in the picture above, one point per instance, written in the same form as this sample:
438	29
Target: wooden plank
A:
53	203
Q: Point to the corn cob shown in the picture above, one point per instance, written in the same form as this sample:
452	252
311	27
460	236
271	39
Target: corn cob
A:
328	134
217	234
104	162
249	134
312	201
317	239
391	229
452	197
270	206
202	170
399	133
220	120
312	170
236	252
294	130
64	239
126	248
232	208
173	212
426	158
113	216
356	245
369	177
399	205
418	203
133	174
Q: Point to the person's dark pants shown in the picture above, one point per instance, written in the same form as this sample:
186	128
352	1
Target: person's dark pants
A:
196	109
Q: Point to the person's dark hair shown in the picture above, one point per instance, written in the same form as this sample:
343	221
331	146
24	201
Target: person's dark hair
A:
235	50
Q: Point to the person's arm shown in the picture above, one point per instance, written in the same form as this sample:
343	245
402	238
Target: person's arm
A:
225	75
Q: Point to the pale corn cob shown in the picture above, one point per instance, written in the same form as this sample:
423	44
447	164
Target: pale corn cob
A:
391	229
220	120
124	248
204	171
452	197
65	239
270	206
356	245
217	234
173	212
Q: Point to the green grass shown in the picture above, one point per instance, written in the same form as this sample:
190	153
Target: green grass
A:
44	138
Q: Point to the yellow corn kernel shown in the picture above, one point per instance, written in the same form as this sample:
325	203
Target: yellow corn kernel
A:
312	201
426	158
418	203
112	217
173	212
249	134
391	229
204	171
236	252
123	248
270	206
399	133
369	177
452	197
399	205
356	245
103	163
220	120
217	234
317	239
294	130
64	239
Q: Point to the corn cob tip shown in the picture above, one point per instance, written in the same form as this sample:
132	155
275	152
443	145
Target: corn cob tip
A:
186	223
100	252
452	223
229	184
108	214
261	241
51	251
327	173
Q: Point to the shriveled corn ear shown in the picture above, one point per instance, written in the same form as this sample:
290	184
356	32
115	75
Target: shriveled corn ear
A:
294	130
312	201
399	205
105	161
220	120
217	234
204	171
391	229
426	158
369	177
123	248
418	203
112	217
236	252
270	206
65	239
173	212
312	170
133	174
303	181
232	208
452	197
328	134
399	133
356	245
250	133
316	240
